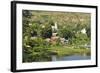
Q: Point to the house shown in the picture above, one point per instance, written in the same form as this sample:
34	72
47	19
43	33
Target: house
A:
83	31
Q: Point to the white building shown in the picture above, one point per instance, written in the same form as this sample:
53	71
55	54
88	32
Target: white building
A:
83	31
55	27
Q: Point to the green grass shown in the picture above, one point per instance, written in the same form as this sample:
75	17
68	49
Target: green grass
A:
69	50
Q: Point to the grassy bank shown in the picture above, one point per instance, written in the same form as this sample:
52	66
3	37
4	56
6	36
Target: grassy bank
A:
69	50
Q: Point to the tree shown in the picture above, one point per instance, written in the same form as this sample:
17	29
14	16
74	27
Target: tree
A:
66	32
88	31
46	32
36	50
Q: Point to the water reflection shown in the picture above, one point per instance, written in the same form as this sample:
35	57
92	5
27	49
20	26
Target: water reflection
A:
73	57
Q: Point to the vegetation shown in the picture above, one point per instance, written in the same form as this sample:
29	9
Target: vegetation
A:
69	50
37	29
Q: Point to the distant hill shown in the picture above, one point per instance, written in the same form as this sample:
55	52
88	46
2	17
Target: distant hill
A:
62	18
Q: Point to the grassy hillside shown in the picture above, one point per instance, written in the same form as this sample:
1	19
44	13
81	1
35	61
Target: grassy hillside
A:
62	18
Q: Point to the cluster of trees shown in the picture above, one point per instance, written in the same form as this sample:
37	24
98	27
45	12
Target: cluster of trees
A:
35	49
37	27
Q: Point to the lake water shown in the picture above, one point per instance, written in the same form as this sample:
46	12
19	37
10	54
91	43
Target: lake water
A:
67	58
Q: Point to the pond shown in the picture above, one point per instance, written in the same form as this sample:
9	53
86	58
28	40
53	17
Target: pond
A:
73	57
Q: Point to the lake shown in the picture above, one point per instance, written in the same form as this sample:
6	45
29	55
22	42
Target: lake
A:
73	57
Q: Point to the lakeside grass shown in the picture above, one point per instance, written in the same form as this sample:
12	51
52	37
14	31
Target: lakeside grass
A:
69	50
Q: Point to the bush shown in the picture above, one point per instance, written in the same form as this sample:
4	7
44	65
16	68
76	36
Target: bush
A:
80	39
36	50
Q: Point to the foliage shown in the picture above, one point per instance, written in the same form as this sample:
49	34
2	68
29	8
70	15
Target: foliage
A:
80	39
36	50
46	32
66	32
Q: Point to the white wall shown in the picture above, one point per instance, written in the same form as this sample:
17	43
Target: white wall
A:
5	37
